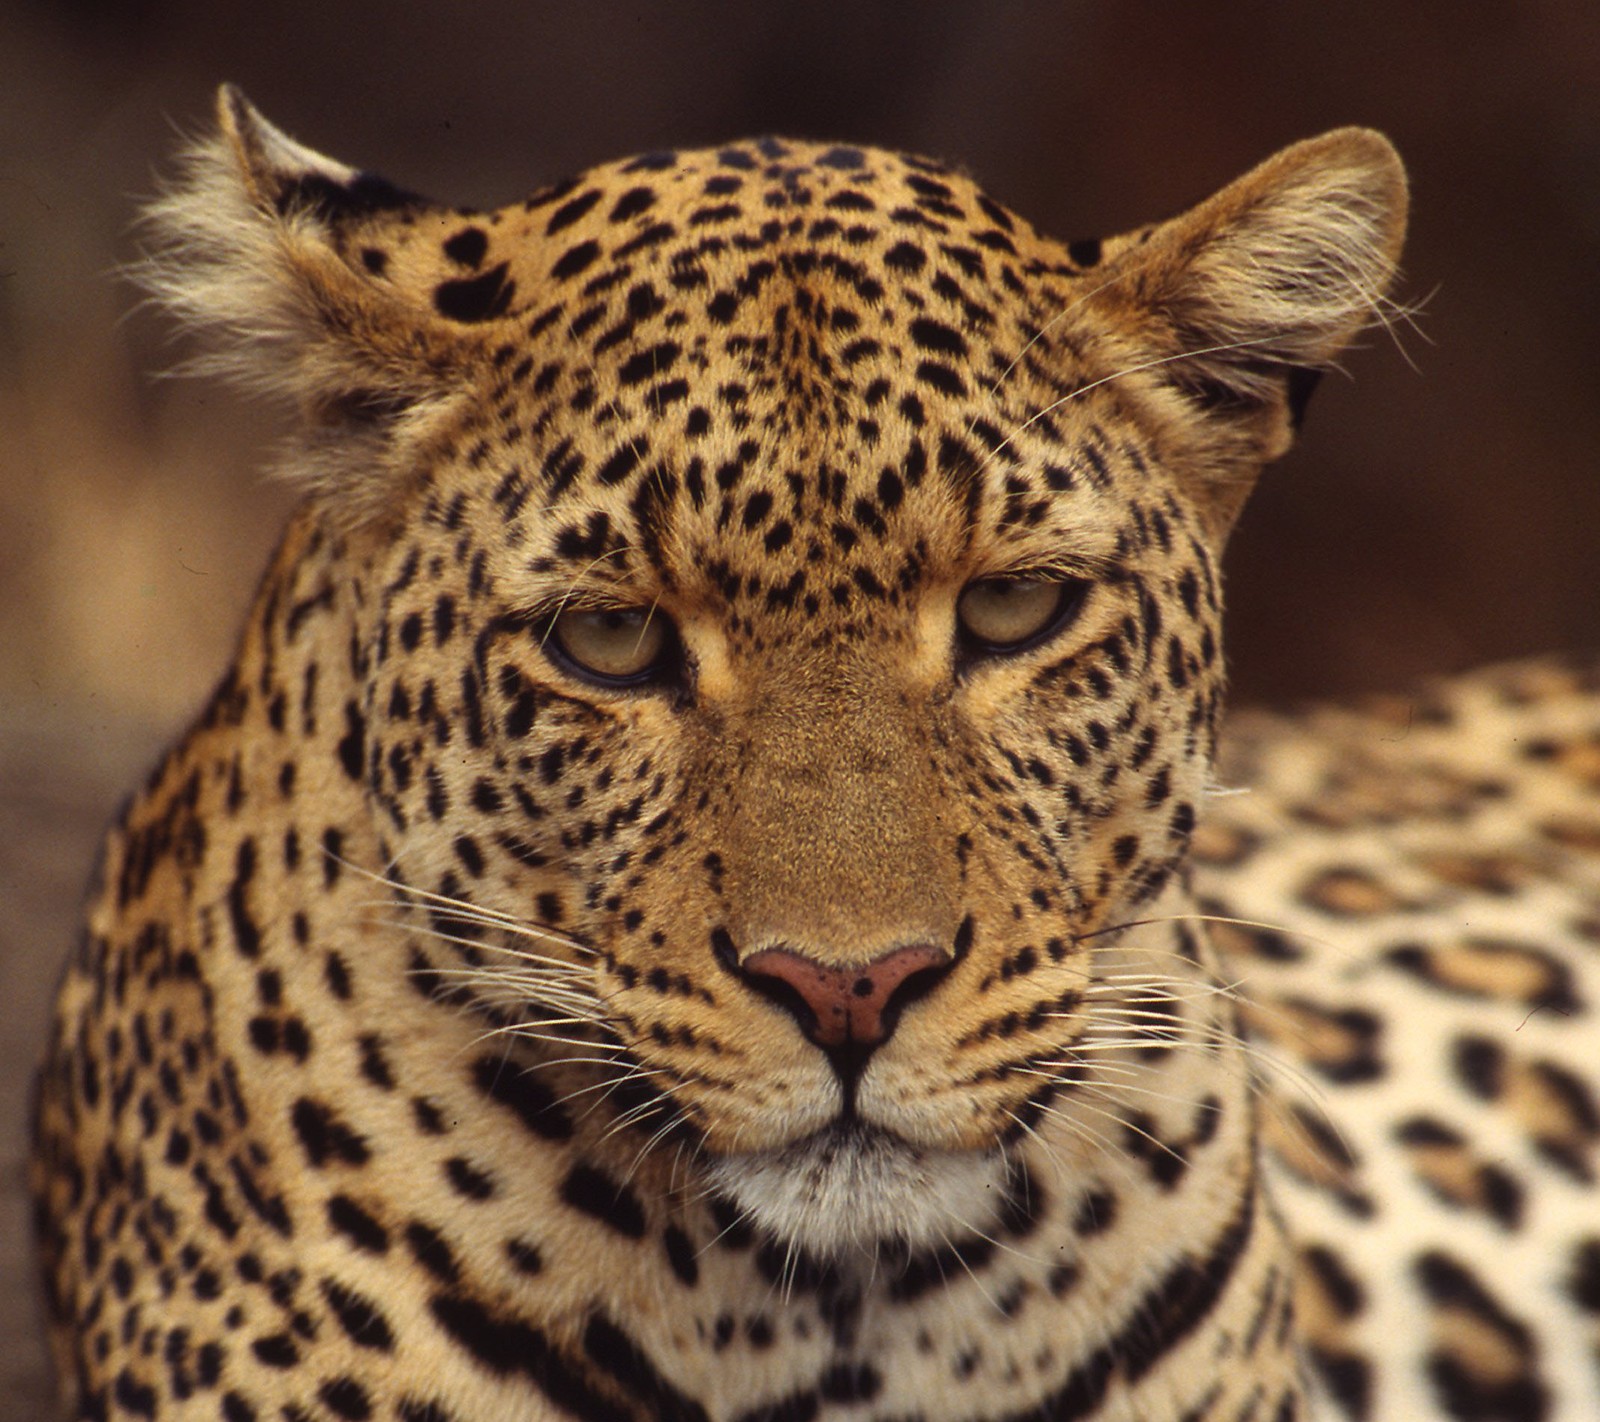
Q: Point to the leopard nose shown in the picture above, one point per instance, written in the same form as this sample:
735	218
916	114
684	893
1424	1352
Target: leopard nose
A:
839	1006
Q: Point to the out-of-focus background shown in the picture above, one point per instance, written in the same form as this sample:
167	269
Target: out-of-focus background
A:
1443	508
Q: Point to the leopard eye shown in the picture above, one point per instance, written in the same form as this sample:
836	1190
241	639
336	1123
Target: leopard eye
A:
621	646
1009	614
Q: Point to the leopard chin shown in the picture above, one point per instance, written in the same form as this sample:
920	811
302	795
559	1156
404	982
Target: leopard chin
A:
855	1189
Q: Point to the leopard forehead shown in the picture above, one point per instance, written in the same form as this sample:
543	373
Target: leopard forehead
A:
860	215
774	380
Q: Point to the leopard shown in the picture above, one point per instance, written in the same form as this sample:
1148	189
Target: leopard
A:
715	886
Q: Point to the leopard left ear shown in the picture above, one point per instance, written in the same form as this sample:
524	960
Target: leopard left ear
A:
277	258
1238	304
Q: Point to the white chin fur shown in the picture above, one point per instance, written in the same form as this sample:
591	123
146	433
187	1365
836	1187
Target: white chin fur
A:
856	1189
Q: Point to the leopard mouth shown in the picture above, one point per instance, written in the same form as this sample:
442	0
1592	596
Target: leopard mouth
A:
855	1188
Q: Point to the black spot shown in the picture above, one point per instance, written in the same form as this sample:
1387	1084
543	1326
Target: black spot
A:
864	579
480	298
208	1364
586	543
246	932
568	213
1062	1279
631	204
1341	1289
623	1360
1480	1063
649	364
428	1119
507	1344
942	377
681	1255
345	1397
352	745
622	462
362	1319
890	490
431	1251
655	162
467	1180
524	1094
444	619
468	246
499	1344
939	1268
1348	1377
851	201
1425	1131
796	1407
525	1257
597	1195
905	257
1097	1212
1502	1196
360	1228
1583	1283
842	157
324	1137
134	1396
756	508
374	1065
1464	1392
1452	1285
1085	252
575	260
470	855
851	1382
932	335
337	976
276	1350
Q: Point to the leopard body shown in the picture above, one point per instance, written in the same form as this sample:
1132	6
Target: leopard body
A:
702	893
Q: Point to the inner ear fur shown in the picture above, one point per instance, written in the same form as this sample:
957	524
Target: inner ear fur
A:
1238	304
251	250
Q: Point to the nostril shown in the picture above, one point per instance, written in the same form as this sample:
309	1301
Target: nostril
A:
837	1005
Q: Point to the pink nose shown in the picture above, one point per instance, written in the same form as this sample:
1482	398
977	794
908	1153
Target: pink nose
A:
846	1004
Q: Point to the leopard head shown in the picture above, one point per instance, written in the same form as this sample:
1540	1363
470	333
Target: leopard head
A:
789	603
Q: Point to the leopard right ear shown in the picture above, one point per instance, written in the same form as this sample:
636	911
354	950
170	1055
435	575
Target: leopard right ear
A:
1234	306
278	258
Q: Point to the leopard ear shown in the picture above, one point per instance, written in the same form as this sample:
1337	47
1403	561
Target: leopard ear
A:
277	258
1237	305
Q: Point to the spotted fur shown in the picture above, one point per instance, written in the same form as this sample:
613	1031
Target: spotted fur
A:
819	1022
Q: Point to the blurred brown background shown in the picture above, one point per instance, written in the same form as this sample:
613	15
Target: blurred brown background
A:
1443	508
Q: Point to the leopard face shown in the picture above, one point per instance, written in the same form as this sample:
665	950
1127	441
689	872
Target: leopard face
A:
818	641
807	592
